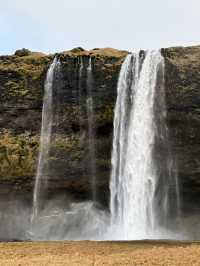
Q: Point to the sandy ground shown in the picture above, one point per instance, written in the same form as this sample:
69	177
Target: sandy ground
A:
99	253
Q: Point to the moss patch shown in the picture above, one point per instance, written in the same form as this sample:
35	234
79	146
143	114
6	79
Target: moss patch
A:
17	155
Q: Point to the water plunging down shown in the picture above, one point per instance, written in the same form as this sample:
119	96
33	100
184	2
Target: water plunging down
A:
41	179
91	133
75	220
141	177
142	185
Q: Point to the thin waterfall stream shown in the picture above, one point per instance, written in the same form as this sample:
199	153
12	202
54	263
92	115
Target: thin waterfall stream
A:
80	77
41	179
91	128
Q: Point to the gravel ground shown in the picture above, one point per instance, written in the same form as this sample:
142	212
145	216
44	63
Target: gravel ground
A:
99	253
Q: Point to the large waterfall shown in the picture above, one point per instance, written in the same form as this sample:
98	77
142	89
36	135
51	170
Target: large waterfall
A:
41	179
140	181
143	186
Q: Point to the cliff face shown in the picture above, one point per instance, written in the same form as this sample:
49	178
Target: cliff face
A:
21	96
183	104
21	89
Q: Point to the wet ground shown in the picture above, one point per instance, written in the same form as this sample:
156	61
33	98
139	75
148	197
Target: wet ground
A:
166	253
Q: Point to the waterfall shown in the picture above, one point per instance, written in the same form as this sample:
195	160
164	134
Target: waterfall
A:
81	72
144	189
41	179
91	133
141	176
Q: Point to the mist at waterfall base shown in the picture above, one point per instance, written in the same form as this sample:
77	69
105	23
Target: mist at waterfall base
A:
144	200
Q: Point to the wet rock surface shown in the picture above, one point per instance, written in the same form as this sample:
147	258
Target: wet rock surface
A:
183	103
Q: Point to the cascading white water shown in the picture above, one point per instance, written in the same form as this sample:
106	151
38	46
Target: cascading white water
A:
91	134
136	203
139	186
41	178
75	220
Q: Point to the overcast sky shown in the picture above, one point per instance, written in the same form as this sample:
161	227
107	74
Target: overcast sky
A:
57	25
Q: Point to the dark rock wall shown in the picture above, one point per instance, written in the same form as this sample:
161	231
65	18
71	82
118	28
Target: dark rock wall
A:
183	104
21	95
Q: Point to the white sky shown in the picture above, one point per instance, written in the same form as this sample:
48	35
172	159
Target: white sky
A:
57	25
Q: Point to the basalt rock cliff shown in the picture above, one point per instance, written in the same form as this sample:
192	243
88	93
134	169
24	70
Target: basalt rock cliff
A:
22	79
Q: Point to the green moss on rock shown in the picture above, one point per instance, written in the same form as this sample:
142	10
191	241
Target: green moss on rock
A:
18	155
